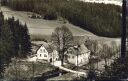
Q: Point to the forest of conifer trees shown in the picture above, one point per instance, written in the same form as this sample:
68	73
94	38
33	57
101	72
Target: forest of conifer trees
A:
14	41
100	19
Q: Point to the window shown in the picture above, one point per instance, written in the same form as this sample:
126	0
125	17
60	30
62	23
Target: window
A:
70	52
41	50
73	57
45	55
44	51
40	55
81	60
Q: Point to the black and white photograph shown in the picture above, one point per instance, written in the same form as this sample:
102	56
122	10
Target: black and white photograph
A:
63	40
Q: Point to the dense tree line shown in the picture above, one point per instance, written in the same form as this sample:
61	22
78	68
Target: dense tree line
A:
14	41
101	19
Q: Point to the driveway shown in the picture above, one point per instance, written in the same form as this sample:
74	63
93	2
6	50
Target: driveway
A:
58	64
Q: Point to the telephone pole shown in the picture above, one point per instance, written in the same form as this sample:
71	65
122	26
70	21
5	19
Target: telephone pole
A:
126	27
0	5
123	32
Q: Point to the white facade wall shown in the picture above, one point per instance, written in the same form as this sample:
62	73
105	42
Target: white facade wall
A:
55	55
72	59
42	53
82	59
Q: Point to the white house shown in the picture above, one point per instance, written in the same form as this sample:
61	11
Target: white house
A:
45	52
79	55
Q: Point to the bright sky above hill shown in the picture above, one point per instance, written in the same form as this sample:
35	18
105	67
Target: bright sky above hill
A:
116	2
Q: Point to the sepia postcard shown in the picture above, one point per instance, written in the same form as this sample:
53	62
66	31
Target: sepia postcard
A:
63	40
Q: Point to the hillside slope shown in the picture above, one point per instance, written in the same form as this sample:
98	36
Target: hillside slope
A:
42	27
100	19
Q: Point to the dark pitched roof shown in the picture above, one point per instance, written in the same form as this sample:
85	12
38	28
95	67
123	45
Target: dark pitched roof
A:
81	50
35	48
47	46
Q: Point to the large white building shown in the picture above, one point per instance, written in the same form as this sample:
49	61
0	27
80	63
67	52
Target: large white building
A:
78	55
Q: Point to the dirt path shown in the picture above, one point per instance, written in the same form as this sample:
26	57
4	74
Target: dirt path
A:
72	71
58	64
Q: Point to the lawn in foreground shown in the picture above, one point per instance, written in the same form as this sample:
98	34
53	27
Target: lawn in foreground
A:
26	70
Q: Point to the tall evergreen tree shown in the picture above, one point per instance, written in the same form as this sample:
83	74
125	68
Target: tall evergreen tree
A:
25	42
7	40
1	62
21	38
15	28
1	20
6	46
